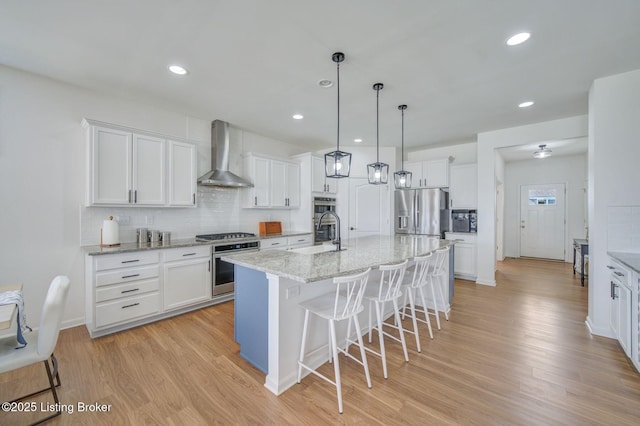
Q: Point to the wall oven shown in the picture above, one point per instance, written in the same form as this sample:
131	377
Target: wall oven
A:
327	230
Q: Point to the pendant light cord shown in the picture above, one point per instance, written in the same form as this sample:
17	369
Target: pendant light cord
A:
377	124
402	152
338	81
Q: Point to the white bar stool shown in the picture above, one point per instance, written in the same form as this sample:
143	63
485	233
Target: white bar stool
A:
387	290
435	273
344	304
416	284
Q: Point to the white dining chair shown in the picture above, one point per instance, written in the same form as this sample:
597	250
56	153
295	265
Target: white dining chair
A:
345	303
40	343
387	290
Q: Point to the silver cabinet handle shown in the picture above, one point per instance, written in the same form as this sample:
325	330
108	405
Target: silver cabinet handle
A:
275	244
130	276
189	254
130	261
130	306
129	291
135	196
209	267
129	196
194	198
620	274
610	267
255	200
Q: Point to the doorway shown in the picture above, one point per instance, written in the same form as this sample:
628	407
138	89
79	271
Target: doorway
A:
542	221
369	208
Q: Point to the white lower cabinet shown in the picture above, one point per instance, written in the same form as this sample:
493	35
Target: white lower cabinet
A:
621	320
465	255
286	243
128	289
187	276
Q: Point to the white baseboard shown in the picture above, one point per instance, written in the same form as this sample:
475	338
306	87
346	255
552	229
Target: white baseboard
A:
599	331
491	283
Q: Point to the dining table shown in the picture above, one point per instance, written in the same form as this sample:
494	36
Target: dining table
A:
7	312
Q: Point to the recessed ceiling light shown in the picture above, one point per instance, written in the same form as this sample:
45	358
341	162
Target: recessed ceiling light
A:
177	69
357	140
518	38
298	116
526	104
325	84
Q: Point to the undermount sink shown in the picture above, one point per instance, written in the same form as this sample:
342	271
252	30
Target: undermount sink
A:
322	248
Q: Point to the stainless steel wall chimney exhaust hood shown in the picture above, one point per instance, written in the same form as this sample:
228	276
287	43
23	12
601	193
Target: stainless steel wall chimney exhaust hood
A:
220	174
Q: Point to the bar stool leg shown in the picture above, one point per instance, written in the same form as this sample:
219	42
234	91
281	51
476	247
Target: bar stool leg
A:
362	352
381	338
336	364
435	301
302	345
401	330
426	312
370	320
444	306
412	308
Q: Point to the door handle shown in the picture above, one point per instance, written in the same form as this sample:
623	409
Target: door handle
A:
352	229
522	226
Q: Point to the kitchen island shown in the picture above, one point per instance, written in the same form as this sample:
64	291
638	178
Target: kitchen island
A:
269	286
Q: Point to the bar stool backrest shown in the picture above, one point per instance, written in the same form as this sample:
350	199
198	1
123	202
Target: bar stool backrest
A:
441	255
421	270
349	292
391	278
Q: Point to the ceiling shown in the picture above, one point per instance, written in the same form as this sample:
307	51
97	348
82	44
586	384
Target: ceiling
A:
255	63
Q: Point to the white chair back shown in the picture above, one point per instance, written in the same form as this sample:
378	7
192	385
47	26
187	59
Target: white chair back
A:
52	315
441	256
391	278
349	292
421	270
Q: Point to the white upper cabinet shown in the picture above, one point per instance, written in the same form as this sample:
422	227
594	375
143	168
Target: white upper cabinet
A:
276	183
463	188
319	181
127	167
182	173
429	174
148	170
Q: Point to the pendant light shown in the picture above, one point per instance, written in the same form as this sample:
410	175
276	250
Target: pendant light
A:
543	152
402	178
378	172
337	164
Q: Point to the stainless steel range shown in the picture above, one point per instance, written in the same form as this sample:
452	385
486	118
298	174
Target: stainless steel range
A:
224	244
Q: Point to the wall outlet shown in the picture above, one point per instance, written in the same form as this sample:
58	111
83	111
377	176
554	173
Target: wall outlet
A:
293	292
123	220
149	220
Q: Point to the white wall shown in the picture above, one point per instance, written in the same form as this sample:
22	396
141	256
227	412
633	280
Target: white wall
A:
488	142
42	183
614	151
569	170
463	153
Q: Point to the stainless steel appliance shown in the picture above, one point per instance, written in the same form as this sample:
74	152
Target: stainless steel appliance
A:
225	244
464	221
422	211
327	229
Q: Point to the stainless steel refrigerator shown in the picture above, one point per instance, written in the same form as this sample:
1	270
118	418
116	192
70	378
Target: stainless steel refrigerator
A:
422	211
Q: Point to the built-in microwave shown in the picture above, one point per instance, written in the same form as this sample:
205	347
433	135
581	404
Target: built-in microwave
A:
464	221
327	230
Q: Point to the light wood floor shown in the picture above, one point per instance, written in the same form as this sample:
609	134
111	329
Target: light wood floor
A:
518	353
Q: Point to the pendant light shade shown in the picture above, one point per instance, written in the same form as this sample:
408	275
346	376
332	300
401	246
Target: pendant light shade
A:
378	172
337	164
402	179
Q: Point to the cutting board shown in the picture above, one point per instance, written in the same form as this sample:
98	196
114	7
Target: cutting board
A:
270	228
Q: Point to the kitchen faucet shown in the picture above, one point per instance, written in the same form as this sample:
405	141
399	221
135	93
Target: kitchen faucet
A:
337	241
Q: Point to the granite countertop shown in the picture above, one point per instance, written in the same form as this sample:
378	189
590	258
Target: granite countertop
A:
628	259
185	242
360	254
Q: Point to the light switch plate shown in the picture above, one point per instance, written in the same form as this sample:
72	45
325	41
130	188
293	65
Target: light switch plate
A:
293	292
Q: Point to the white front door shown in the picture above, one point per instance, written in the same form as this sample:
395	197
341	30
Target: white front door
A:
368	208
542	221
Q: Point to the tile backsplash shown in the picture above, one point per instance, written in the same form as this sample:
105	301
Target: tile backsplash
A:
219	210
623	228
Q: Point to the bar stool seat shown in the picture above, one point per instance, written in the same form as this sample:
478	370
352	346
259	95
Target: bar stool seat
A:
343	304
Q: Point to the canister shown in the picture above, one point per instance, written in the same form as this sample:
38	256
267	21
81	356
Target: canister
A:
154	236
142	236
165	237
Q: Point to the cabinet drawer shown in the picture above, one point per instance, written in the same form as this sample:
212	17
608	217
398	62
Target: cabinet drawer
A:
464	237
300	239
126	275
618	273
185	253
127	309
125	290
273	243
123	260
